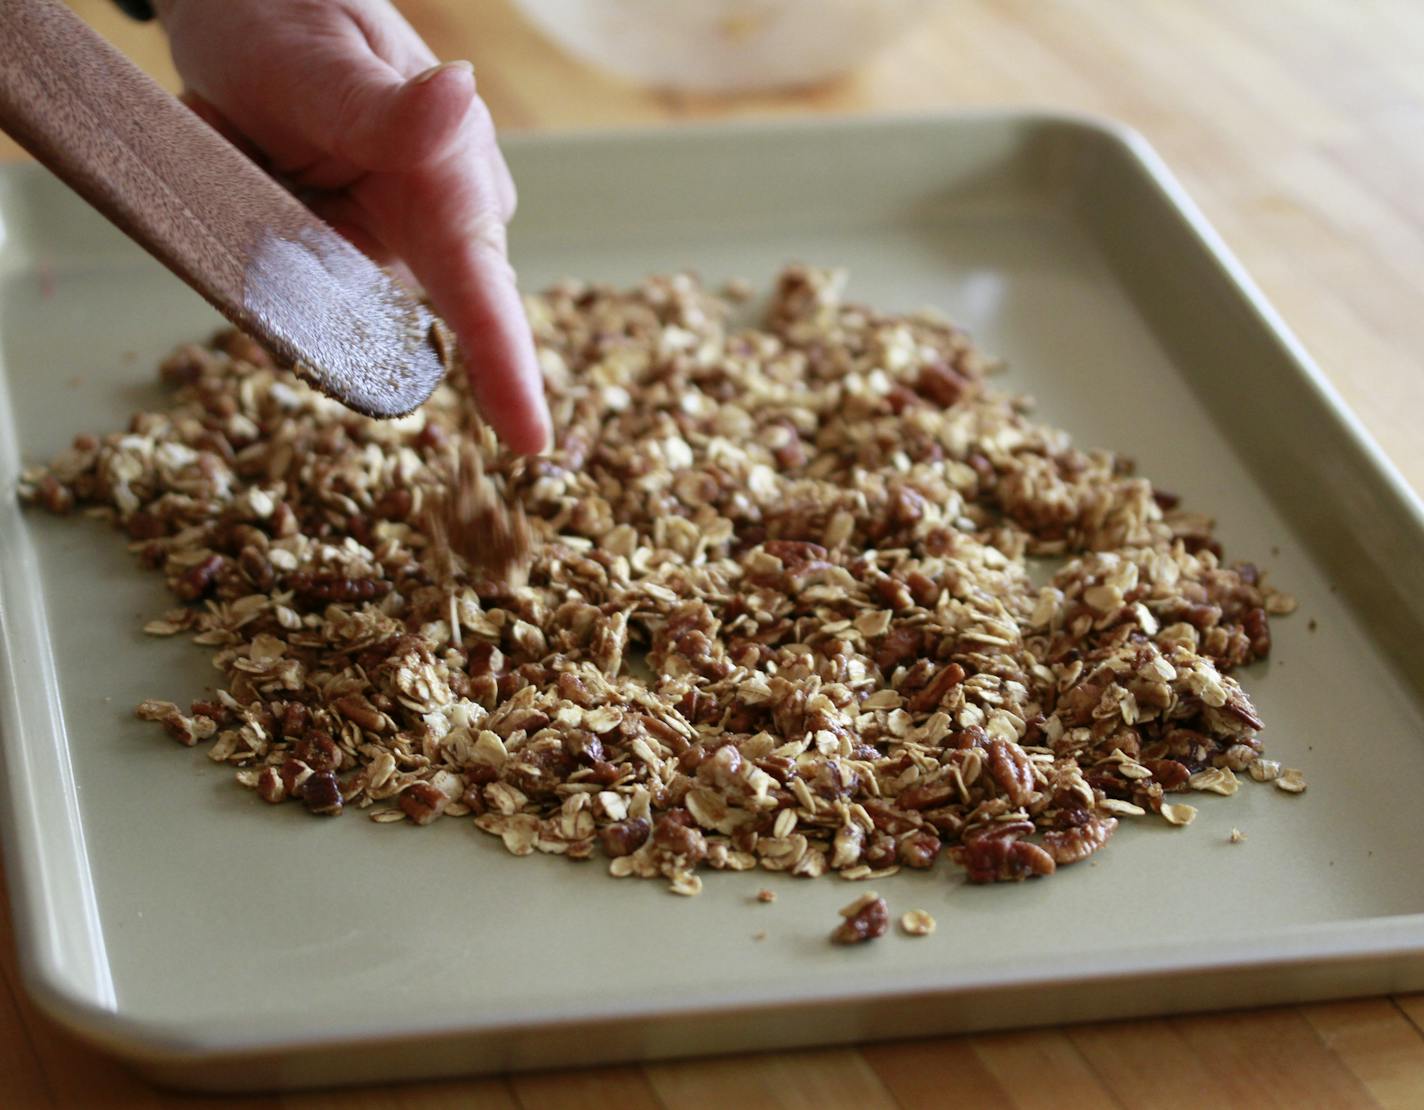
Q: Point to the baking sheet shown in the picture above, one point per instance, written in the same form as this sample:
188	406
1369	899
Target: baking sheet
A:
176	919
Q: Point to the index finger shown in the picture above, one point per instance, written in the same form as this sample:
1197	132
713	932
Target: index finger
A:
445	221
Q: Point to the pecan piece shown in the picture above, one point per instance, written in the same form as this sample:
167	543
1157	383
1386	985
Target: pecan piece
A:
899	645
892	593
422	802
676	833
1012	770
199	581
295	719
949	676
919	849
321	794
327	587
1240	707
256	567
942	384
928	795
1170	774
995	859
880	850
360	712
318	751
1258	627
270	787
623	838
865	919
1075	844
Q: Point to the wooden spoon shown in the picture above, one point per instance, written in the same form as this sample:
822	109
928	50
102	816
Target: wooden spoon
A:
210	215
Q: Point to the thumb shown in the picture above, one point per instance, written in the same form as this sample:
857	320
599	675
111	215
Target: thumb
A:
363	111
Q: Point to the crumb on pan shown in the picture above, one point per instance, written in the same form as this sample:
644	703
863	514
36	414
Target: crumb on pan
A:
917	923
766	604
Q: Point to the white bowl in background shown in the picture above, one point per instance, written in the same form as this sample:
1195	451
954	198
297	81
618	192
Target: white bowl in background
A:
724	45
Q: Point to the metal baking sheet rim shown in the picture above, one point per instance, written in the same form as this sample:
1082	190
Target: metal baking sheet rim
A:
1313	962
1327	960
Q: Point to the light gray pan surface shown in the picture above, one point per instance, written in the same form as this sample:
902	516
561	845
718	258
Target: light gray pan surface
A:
175	918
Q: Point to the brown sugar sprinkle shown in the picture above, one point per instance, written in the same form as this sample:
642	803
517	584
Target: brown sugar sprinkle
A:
767	603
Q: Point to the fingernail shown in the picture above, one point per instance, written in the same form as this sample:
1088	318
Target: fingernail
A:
462	63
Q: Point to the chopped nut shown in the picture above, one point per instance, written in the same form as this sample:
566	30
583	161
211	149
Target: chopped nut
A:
1072	845
422	802
359	711
321	794
995	853
765	895
623	838
865	919
270	787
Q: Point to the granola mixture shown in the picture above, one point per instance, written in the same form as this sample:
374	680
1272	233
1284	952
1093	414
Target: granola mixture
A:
777	610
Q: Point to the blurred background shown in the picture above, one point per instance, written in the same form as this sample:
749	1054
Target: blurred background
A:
1297	125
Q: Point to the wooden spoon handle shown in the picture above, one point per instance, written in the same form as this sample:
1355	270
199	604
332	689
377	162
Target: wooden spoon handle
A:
209	213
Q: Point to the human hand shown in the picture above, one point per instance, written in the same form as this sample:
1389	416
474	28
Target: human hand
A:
343	99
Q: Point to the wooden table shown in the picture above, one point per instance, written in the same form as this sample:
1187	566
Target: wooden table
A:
1298	126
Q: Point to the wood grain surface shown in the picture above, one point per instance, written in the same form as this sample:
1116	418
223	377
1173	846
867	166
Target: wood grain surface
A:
1298	126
